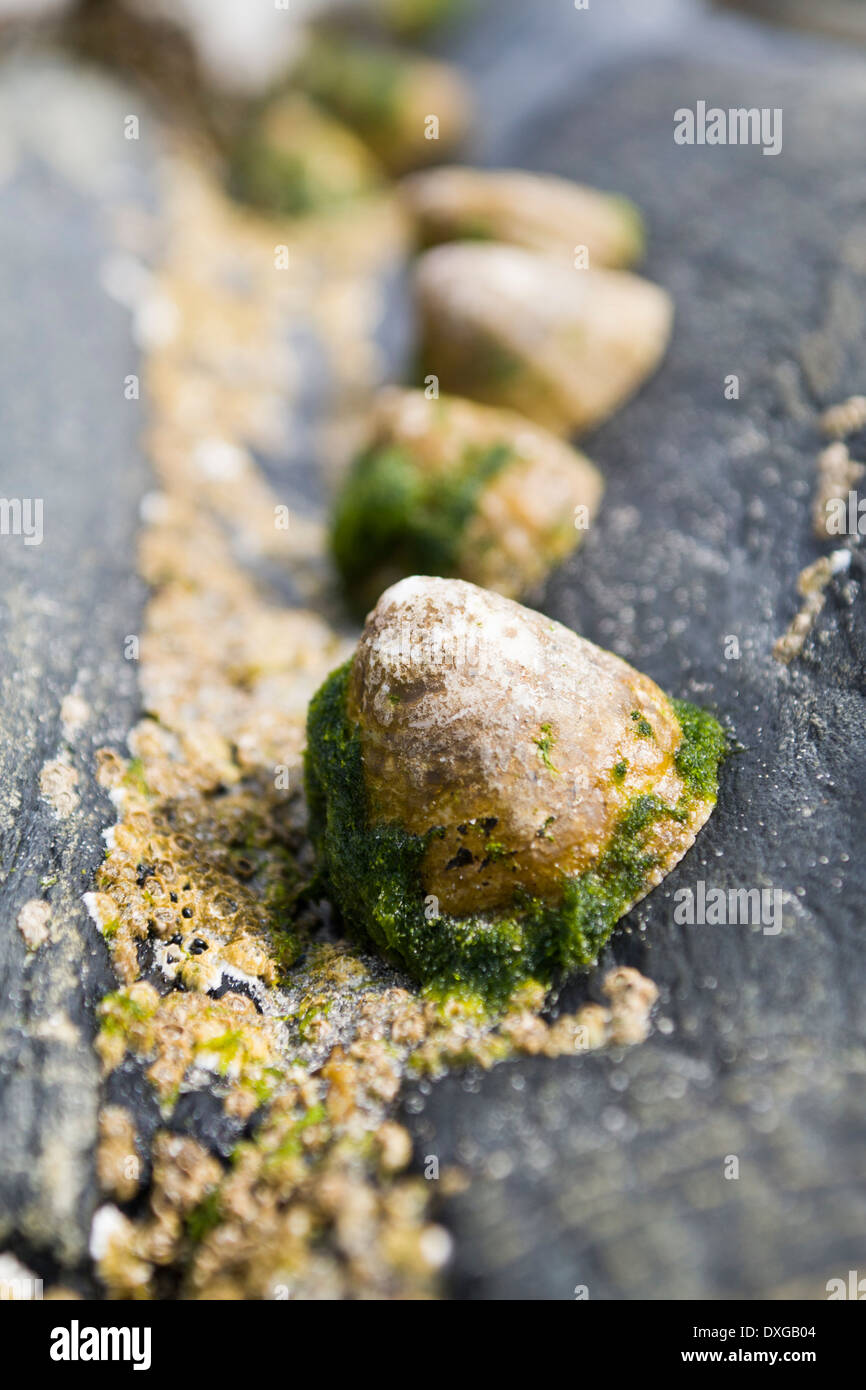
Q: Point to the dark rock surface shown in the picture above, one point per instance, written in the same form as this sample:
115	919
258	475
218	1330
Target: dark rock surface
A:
608	1171
70	440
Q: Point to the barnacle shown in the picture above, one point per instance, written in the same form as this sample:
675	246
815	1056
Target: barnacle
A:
489	792
448	487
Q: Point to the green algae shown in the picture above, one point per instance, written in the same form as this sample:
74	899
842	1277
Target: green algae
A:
308	164
394	517
544	744
135	779
703	747
283	182
373	871
359	82
643	728
120	1012
291	1143
414	18
204	1217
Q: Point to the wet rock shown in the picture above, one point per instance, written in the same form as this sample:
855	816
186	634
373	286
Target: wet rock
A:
69	599
449	487
540	212
511	328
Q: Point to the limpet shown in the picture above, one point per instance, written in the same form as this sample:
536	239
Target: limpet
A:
511	328
445	486
489	792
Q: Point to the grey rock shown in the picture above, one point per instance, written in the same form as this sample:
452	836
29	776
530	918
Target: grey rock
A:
608	1171
70	443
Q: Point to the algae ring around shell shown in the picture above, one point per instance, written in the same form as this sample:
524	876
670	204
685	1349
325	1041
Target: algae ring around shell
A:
489	793
450	487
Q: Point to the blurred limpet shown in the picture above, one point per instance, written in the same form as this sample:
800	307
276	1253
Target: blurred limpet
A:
538	211
489	793
409	110
415	17
450	487
512	328
294	158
